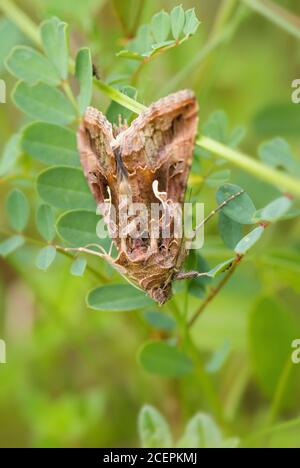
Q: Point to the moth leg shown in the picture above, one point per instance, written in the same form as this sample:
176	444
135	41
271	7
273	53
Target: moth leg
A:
189	275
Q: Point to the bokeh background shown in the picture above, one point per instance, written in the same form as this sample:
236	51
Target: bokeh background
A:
72	378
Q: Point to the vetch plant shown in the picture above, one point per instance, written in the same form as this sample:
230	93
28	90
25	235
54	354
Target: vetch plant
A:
200	432
45	94
45	183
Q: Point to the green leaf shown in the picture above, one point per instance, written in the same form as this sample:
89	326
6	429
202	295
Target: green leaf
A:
160	26
10	156
65	187
241	209
276	210
154	431
217	128
45	222
43	102
78	266
46	257
78	227
130	54
218	358
84	74
29	65
249	241
277	153
162	45
10	36
191	22
221	268
17	209
143	41
164	359
231	232
50	144
201	432
271	333
236	137
55	43
159	320
9	246
177	21
218	178
117	298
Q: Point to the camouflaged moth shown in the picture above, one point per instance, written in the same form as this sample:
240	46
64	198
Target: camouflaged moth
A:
149	162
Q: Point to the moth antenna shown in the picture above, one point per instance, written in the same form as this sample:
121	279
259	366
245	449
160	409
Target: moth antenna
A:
214	212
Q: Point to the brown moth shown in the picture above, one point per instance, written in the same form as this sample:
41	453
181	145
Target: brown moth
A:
149	161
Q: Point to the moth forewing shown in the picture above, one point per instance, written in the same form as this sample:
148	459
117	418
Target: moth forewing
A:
149	162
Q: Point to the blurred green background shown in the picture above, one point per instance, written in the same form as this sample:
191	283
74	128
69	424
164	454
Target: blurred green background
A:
72	377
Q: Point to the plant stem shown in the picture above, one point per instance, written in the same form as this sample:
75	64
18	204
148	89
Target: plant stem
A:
261	171
221	17
214	292
60	249
279	393
121	19
138	16
17	16
223	13
277	15
264	433
205	383
119	97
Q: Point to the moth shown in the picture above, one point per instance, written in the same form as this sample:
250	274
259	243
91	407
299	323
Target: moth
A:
148	162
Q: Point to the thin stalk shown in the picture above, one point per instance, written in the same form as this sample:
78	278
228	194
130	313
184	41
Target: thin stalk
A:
138	17
119	97
17	16
264	433
60	249
222	15
221	19
277	15
214	292
252	166
280	391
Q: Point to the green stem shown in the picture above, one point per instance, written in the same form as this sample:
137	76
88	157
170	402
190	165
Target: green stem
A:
278	15
252	166
119	97
138	17
278	429
17	16
222	15
280	391
61	250
206	384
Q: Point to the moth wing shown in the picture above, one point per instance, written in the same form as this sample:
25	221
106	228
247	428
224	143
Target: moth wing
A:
159	145
95	144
